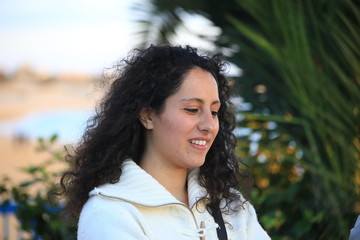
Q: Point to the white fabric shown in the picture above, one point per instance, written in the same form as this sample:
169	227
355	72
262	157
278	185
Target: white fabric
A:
138	207
355	231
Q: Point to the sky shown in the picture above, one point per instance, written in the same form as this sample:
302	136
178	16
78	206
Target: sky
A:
82	36
67	35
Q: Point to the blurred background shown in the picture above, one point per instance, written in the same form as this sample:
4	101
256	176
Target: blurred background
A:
294	71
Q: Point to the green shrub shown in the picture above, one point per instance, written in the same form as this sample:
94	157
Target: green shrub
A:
37	206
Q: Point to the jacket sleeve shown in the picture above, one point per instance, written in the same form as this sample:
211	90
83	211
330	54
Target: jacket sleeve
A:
355	231
106	223
255	230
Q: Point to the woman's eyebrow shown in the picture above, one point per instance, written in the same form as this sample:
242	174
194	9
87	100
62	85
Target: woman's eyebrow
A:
198	100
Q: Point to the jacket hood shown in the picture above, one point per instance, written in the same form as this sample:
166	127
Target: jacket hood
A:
137	186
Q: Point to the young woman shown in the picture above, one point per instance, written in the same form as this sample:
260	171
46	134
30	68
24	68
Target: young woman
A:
157	160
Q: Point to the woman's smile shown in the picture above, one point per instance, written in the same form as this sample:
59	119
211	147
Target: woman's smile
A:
199	143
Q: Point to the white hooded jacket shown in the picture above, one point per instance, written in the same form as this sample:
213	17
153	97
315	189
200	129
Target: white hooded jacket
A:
138	207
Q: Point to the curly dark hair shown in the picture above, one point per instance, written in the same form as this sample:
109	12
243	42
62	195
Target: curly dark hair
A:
146	79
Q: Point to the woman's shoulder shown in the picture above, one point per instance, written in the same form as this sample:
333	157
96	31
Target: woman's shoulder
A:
244	216
240	207
101	216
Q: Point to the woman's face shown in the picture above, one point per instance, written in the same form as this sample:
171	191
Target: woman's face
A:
182	134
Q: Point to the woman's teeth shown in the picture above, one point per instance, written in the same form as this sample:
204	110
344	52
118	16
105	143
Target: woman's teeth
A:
198	142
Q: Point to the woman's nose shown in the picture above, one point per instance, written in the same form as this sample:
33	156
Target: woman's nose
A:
208	123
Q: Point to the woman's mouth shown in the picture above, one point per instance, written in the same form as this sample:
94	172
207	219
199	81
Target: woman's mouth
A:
198	142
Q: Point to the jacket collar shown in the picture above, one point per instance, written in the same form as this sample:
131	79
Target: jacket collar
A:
138	187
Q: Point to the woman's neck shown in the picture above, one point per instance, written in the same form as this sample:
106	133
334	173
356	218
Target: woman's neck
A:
174	180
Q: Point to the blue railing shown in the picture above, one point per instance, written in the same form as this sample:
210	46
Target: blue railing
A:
6	211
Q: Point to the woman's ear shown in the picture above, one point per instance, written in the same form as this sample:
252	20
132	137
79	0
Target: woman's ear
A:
145	118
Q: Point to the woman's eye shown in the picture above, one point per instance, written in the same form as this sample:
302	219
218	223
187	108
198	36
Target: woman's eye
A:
191	110
214	113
